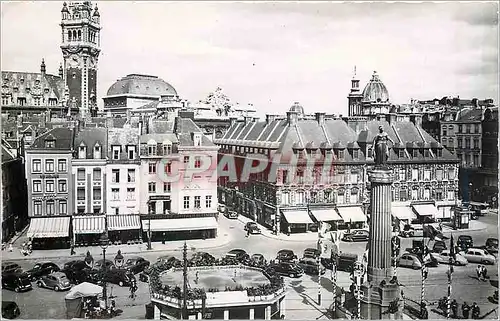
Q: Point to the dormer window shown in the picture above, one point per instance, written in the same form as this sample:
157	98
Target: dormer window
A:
197	139
82	151
426	153
151	148
97	151
167	148
50	143
115	150
401	153
340	154
355	154
415	153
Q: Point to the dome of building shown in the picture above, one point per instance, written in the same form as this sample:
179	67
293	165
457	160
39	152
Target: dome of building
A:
142	85
296	107
375	90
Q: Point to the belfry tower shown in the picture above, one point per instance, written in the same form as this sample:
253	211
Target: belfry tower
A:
80	47
355	97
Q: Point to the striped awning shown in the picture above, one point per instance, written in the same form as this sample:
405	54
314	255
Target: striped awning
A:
352	214
297	217
44	227
325	215
180	224
403	213
89	224
426	210
124	222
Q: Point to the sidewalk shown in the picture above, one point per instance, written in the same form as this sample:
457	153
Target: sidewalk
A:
222	239
474	225
295	237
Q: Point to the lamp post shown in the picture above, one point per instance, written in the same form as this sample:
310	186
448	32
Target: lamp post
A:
104	245
149	225
119	260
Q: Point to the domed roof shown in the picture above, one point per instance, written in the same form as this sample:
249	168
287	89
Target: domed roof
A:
142	85
375	90
296	107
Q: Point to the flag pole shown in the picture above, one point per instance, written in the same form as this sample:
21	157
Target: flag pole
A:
450	273
318	259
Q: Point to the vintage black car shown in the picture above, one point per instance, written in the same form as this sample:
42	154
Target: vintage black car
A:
202	258
238	255
77	271
286	255
9	267
465	242
287	269
346	262
98	265
311	253
252	227
439	246
310	266
258	259
492	245
356	236
18	281
117	276
136	264
169	261
42	269
10	310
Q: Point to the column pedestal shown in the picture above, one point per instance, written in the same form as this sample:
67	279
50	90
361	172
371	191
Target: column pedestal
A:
377	292
226	314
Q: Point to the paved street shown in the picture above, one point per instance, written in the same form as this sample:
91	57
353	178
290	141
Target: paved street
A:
302	295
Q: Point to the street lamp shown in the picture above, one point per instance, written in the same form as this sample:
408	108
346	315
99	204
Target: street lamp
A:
119	260
104	242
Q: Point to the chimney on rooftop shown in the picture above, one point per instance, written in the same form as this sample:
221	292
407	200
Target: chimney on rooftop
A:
270	118
292	118
320	118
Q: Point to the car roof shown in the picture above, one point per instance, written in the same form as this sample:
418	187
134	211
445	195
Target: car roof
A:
58	274
310	249
134	258
257	254
236	251
284	250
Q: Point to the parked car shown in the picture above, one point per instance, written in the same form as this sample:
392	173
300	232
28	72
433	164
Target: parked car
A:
409	261
18	281
136	264
76	271
346	262
42	269
202	258
464	242
10	310
288	269
231	214
310	266
221	208
258	259
439	246
444	258
327	263
475	255
491	245
252	227
356	236
98	265
56	281
117	276
9	267
238	255
286	255
170	261
311	253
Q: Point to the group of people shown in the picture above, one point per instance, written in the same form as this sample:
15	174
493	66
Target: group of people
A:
27	248
466	308
482	272
94	308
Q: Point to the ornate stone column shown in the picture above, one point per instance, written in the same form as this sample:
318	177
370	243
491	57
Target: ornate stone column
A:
378	291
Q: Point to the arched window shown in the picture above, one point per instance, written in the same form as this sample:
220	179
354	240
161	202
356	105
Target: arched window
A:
79	35
74	35
354	198
69	35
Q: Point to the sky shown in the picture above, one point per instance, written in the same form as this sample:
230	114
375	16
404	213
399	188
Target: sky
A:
272	54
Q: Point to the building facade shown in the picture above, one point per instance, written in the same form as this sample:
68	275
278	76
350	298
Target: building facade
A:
14	192
488	172
89	170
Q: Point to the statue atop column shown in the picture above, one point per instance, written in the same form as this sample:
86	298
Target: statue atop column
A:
381	149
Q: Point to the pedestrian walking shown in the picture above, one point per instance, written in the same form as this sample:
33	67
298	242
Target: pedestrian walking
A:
475	311
288	230
72	249
11	247
454	307
478	271
465	310
485	273
248	232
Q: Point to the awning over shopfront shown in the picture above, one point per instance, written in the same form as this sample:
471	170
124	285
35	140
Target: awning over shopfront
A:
180	224
89	224
124	222
403	213
325	215
352	214
45	227
426	210
297	217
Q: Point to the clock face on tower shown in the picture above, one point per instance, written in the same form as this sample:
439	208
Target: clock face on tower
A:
73	61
